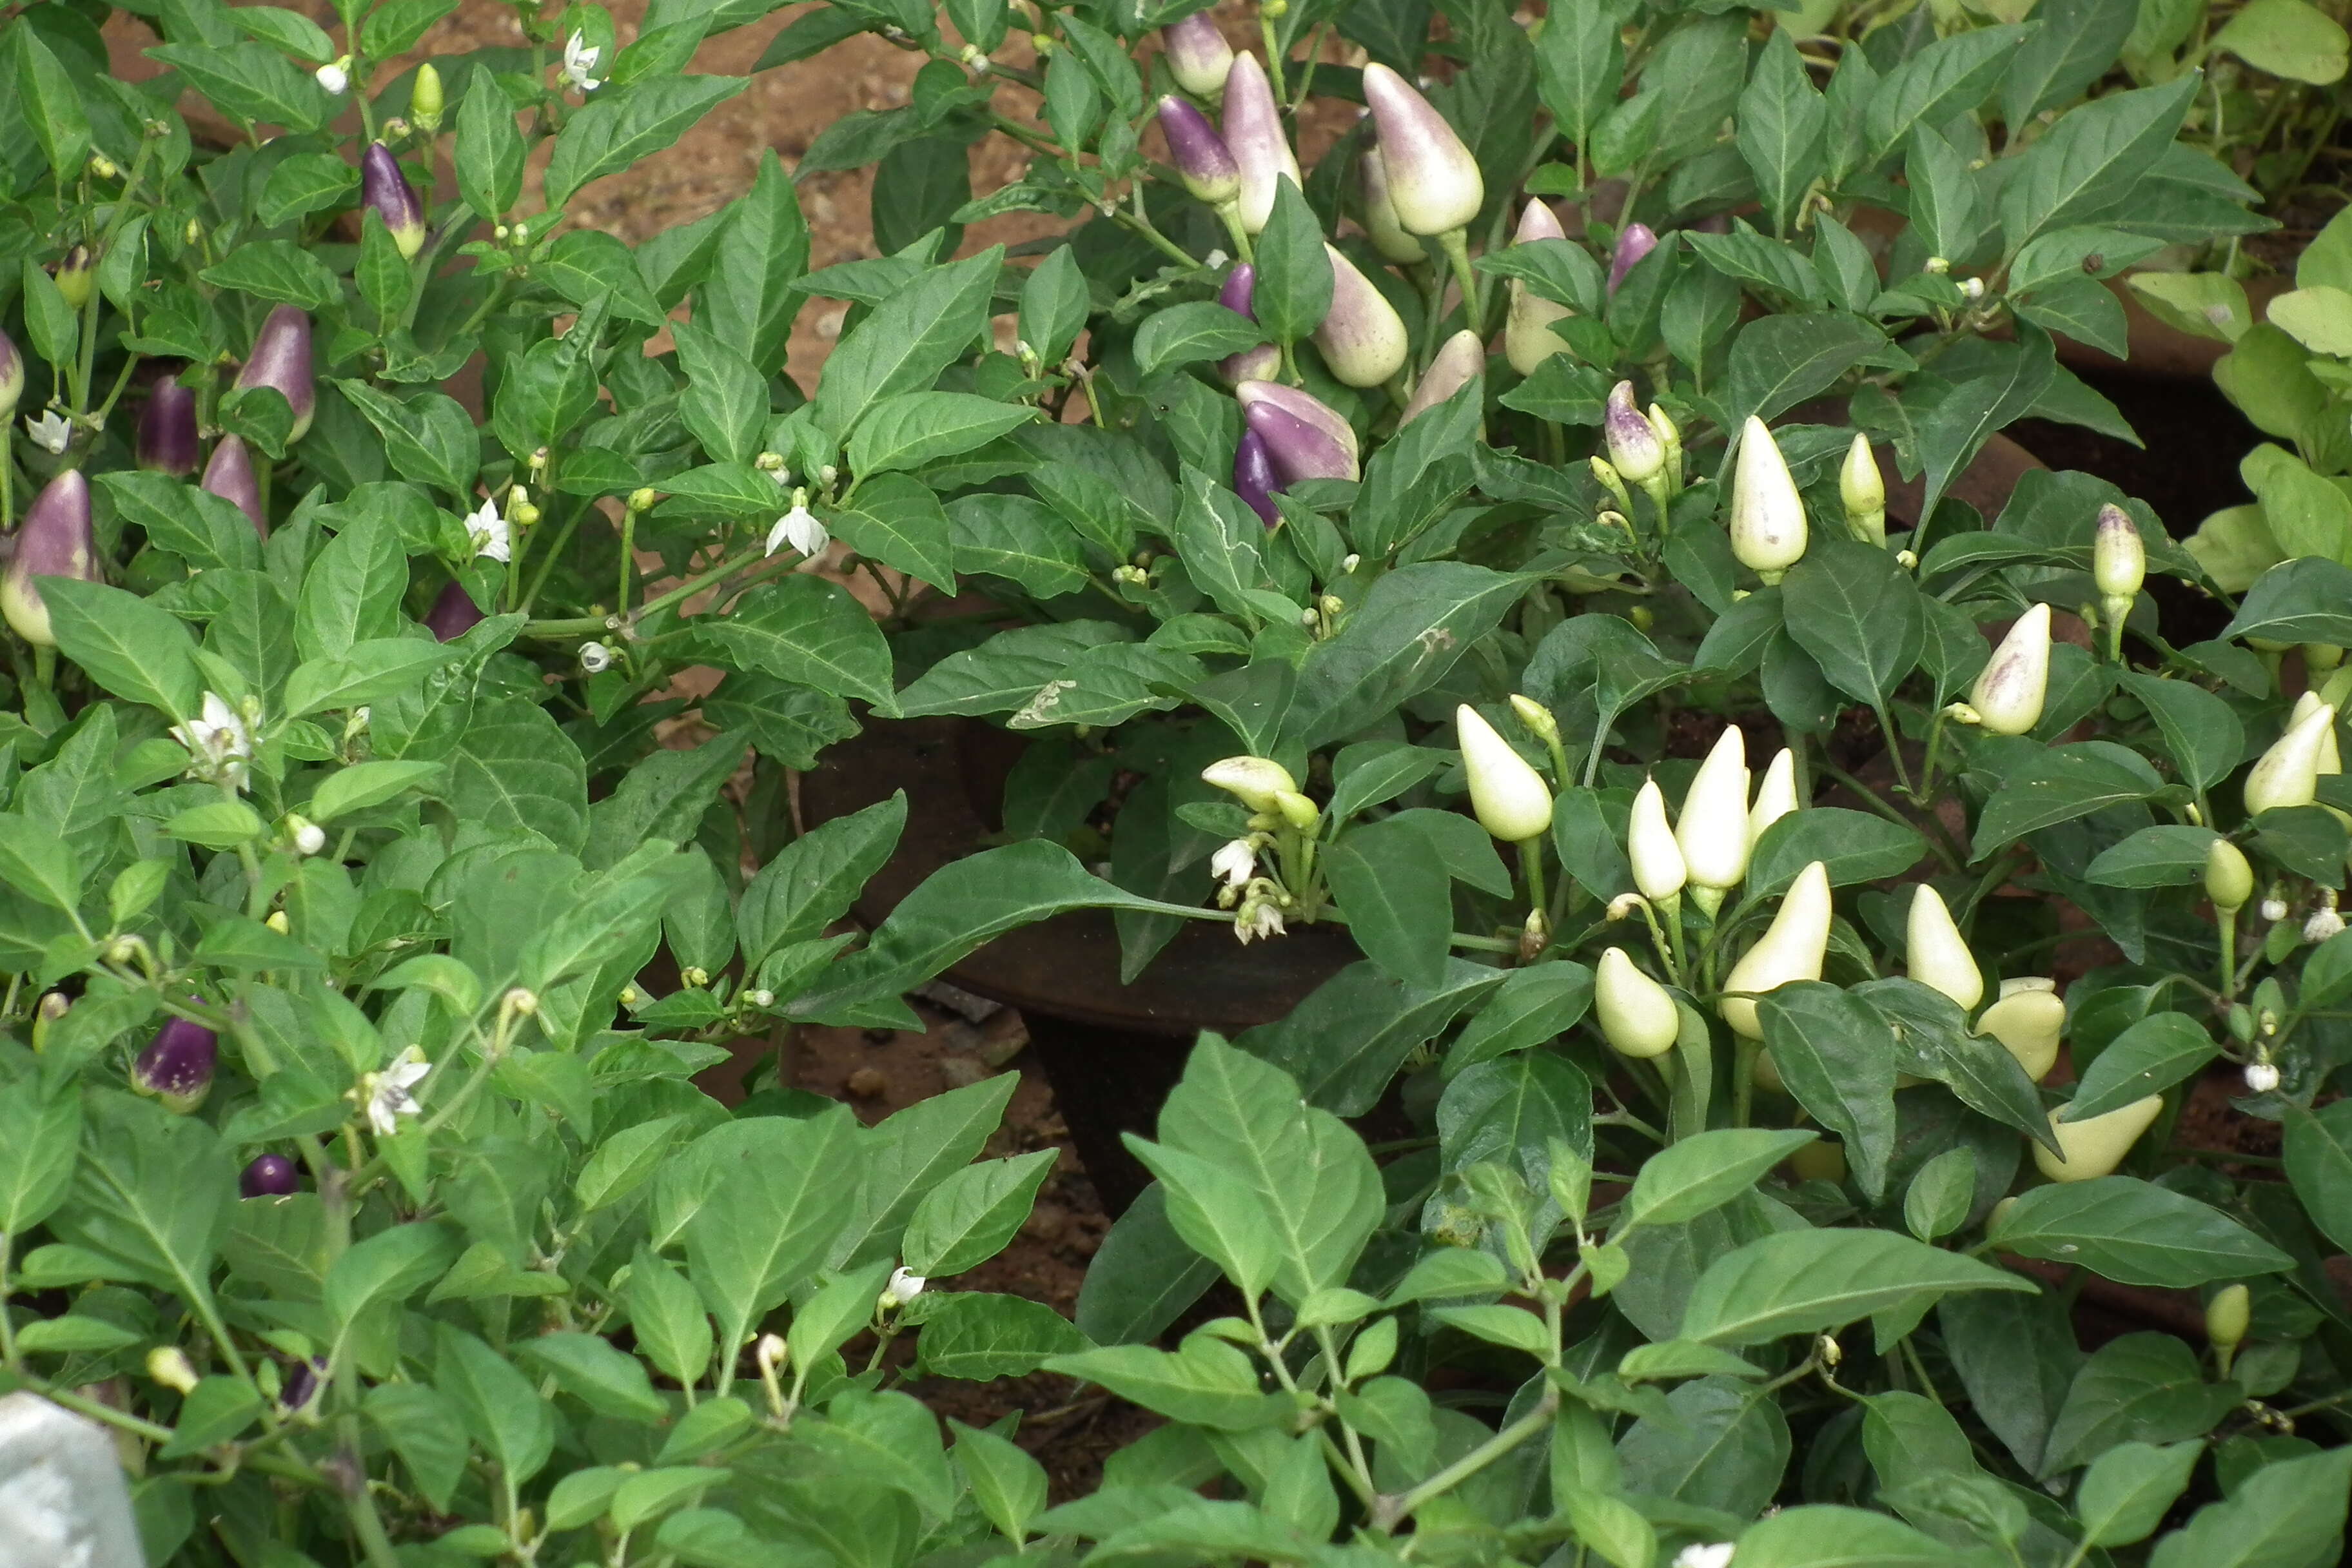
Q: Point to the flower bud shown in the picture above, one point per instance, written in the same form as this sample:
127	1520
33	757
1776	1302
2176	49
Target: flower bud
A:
2229	880
281	360
1203	160
279	922
1305	438
2288	773
1637	1015
335	77
1863	489
1433	182
1633	242
1635	449
1259	363
1767	518
2330	761
2119	558
1254	780
269	1176
1361	336
1528	337
176	1067
425	101
2228	1315
1711	830
2326	923
2095	1147
12	377
384	187
54	541
2274	908
1776	797
1935	955
1537	718
307	837
2262	1078
1461	360
1507	796
1381	224
1254	480
229	475
1658	868
904	1286
2029	1021
453	613
77	275
169	1365
2008	694
1197	54
1253	134
1791	949
770	1355
595	658
166	443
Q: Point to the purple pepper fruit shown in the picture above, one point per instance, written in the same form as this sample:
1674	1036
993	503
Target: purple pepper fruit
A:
453	613
1633	244
282	358
270	1176
1198	55
230	475
1254	480
1203	160
1251	364
12	377
167	430
384	187
176	1067
53	541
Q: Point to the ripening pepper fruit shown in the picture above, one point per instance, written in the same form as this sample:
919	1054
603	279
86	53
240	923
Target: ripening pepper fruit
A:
2118	566
1768	517
1254	480
166	442
1362	337
425	100
1658	868
1304	436
1253	134
76	275
1197	54
1792	949
1935	955
384	188
1254	780
1635	450
1711	830
1776	797
1633	242
2095	1147
1637	1015
1433	182
2009	692
54	541
1262	363
1461	360
1507	797
2288	773
282	358
177	1066
2331	761
229	475
2228	1316
1203	160
453	615
2228	879
1528	337
1381	224
1861	490
12	377
268	1176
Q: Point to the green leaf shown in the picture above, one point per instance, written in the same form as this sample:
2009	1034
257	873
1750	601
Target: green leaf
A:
1806	1282
501	1409
912	428
2134	1232
2077	41
2289	1514
2084	169
278	272
1055	301
37	862
365	784
390	1266
895	519
429	438
1008	1485
2319	1165
1018	539
668	1318
200	528
1346	1041
1858	614
1778	362
2146	1388
1144	1277
1399	641
426	1431
128	644
2287	38
1189	333
515	769
1704	1172
780	1191
1391	884
2148	1057
2060	785
748	298
39	1132
809	631
488	153
1820	1536
1292	291
725	402
928	325
609	1381
621	125
249	80
352	589
51	105
977	1336
812	880
2304	600
2127	1490
365	672
1715	1445
969	1218
1780	126
1833	1051
1207	1382
154	1193
1945	78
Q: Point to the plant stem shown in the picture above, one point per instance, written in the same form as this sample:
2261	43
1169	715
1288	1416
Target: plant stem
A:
1393	1509
1456	246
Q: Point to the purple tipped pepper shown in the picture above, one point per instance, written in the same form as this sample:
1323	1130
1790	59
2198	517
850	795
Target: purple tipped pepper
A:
1381	224
1305	438
12	377
1432	181
302	1384
1203	160
176	1067
1198	55
1633	244
1251	364
230	475
453	613
167	430
270	1176
384	187
1253	134
77	274
1254	480
281	360
54	542
1361	335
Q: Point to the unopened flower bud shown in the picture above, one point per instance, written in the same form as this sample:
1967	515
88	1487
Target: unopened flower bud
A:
1537	718
759	996
306	836
2009	693
335	76
523	1002
1768	518
2260	1078
770	1355
1507	796
2274	907
169	1365
1433	182
2324	922
694	975
595	658
1637	1015
1256	781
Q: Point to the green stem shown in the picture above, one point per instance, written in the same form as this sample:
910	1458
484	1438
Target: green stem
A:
1743	1079
546	565
1531	860
2229	953
1456	246
628	558
1392	1510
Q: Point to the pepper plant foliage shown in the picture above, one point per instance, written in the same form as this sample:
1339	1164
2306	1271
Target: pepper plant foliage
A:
337	826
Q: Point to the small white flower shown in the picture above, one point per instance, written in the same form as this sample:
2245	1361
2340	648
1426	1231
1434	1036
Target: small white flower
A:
1718	1556
219	743
335	77
904	1286
359	719
388	1096
771	1352
1236	862
1259	919
579	60
2273	909
308	836
49	431
2260	1078
595	658
1215	260
2324	922
1973	288
490	531
800	529
761	997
